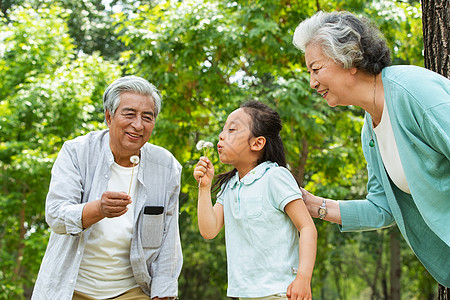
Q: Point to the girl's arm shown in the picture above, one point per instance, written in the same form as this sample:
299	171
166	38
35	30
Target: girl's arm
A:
210	219
300	288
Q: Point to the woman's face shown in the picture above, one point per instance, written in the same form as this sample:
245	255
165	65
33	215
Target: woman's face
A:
330	79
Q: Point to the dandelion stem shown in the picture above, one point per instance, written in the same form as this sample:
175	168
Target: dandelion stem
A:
131	179
134	160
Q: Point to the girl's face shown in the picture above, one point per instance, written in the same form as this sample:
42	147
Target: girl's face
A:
234	140
330	79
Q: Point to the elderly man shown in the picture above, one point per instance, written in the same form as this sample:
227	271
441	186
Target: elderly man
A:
112	206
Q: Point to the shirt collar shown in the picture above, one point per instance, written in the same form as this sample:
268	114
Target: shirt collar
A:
253	175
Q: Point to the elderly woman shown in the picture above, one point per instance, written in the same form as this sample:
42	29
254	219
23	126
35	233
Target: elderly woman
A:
405	137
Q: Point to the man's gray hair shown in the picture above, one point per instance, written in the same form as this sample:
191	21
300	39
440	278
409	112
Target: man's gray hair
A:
131	84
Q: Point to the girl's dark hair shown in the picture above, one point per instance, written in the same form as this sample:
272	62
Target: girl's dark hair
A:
267	123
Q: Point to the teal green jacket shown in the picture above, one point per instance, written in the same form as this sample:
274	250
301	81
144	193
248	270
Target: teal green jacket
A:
418	102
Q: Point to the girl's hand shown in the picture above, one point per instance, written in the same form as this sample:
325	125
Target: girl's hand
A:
299	289
204	172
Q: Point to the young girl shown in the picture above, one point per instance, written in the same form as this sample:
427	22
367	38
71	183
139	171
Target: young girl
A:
262	207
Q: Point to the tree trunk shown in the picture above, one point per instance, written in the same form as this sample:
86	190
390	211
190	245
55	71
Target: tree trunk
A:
443	293
435	20
395	265
436	38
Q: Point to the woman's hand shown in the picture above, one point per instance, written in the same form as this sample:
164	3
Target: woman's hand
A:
204	172
313	204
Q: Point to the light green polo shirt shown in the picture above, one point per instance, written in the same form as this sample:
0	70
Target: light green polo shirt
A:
418	102
261	240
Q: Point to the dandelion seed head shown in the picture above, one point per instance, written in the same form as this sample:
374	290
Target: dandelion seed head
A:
200	145
208	145
134	159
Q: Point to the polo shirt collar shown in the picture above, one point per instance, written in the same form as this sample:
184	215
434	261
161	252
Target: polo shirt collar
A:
255	174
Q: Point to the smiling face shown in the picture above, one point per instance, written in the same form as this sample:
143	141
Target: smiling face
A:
329	78
131	126
235	140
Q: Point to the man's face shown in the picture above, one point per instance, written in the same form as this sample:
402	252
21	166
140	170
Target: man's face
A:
131	126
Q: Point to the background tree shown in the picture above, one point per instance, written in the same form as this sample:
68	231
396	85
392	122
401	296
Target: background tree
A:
436	20
436	32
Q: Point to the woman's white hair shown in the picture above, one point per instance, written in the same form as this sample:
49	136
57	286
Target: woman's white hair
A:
346	39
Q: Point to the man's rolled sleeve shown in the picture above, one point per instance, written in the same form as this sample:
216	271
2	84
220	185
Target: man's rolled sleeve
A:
73	219
164	287
63	204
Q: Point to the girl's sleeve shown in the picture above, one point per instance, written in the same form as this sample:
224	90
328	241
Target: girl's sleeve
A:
283	187
220	196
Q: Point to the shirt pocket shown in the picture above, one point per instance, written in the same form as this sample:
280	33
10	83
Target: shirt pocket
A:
152	230
253	206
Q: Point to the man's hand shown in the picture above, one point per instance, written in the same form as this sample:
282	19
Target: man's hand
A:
111	205
114	204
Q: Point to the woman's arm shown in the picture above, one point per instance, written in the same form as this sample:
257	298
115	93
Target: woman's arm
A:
210	219
301	286
355	215
313	204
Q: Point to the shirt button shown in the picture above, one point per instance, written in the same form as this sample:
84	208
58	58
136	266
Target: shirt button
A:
71	281
79	252
106	176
